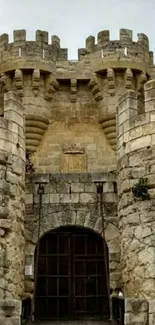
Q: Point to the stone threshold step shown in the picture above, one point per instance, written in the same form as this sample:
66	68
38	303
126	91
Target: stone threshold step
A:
82	322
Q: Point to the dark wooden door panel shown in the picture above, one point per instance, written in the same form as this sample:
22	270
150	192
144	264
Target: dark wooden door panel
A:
71	280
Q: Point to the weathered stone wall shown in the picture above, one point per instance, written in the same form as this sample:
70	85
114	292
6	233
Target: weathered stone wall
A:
72	199
12	209
138	50
136	159
74	123
70	109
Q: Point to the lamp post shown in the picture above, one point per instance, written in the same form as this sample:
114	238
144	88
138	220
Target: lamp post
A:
40	192
100	189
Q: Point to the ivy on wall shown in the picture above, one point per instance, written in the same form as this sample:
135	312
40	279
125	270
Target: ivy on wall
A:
29	164
140	190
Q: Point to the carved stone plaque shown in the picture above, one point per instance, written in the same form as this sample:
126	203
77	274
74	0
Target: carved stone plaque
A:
73	160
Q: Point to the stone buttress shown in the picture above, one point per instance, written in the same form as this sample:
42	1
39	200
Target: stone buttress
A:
12	209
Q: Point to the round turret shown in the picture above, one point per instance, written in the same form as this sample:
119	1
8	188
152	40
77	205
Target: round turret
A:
118	65
29	69
136	191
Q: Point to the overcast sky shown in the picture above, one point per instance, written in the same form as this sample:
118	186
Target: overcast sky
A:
74	20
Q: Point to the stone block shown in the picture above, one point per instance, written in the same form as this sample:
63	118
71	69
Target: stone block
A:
7	321
141	142
41	178
54	198
66	217
3	212
115	276
3	158
85	177
75	198
18	166
36	199
29	199
77	187
139	319
88	197
4	186
90	188
104	177
113	266
114	256
5	224
108	187
138	172
150	271
46	198
152	306
92	147
152	319
80	218
50	188
65	198
63	188
133	219
109	197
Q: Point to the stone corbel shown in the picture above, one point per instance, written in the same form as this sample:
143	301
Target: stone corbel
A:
73	90
128	79
19	82
141	81
95	89
36	81
51	85
5	81
111	81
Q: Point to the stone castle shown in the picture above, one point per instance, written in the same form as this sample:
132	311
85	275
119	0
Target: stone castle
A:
90	127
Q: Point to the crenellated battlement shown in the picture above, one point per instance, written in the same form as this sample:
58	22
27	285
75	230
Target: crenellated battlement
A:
46	48
124	47
41	48
136	127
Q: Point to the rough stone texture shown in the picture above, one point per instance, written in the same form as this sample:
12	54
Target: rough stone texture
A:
12	180
136	157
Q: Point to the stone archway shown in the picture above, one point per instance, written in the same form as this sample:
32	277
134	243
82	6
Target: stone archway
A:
71	279
54	221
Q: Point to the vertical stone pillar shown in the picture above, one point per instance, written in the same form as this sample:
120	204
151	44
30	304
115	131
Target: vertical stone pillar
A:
12	209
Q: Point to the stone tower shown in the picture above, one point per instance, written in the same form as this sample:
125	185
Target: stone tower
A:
90	127
12	211
135	149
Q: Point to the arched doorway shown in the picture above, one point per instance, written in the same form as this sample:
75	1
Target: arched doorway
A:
71	279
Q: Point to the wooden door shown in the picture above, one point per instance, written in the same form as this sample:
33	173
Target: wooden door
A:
71	277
